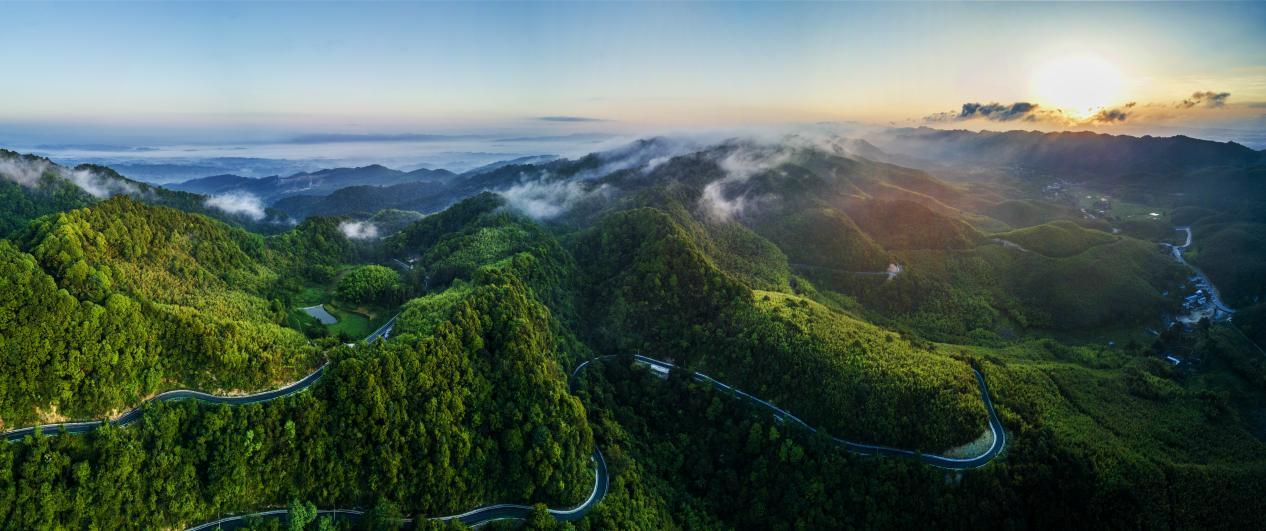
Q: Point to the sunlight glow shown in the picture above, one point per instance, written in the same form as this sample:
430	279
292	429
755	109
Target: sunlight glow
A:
1078	85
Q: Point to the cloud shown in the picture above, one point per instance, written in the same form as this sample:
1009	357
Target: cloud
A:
97	185
23	171
109	148
1208	98
1112	115
28	172
358	230
720	200
1033	113
570	119
544	199
238	203
643	154
335	138
573	137
1020	110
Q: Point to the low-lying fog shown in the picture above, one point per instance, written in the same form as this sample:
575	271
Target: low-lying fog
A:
175	163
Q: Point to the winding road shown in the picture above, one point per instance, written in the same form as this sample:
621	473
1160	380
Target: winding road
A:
178	394
506	511
187	394
954	463
473	518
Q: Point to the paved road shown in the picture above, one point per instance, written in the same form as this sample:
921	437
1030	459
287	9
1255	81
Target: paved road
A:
956	463
189	394
473	518
383	332
505	511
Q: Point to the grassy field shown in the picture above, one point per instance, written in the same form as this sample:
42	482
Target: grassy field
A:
351	324
354	322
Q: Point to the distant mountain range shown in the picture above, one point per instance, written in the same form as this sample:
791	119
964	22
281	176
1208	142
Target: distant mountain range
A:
1082	154
321	182
1173	165
32	186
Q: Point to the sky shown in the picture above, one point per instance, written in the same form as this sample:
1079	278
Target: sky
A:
155	73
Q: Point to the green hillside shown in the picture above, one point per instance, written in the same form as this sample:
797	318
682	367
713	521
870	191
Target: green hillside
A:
650	290
1027	212
30	188
1233	254
1057	239
475	412
112	303
766	269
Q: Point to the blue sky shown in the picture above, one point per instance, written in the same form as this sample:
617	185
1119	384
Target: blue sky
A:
147	71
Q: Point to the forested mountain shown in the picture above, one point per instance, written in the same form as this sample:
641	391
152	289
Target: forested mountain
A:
319	182
110	303
474	412
32	186
860	295
811	209
28	190
1218	188
1084	154
421	196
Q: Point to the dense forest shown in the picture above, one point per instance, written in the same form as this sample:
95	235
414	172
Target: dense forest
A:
111	303
770	268
475	412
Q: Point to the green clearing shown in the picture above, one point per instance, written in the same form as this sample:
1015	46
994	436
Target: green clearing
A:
355	321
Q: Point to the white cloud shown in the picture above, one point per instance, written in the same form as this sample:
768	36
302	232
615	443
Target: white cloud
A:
739	166
645	154
540	199
358	230
24	172
242	203
27	173
98	186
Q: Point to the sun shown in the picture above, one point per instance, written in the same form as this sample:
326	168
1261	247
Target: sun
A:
1078	85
